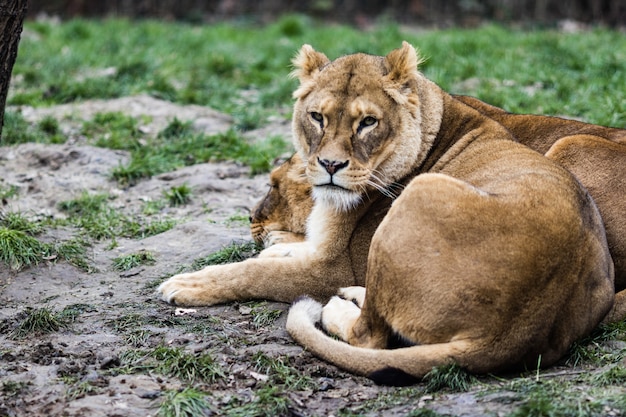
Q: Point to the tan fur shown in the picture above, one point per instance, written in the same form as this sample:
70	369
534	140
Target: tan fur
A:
491	256
595	154
280	217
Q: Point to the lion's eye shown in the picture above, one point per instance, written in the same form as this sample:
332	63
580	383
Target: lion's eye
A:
317	117
368	121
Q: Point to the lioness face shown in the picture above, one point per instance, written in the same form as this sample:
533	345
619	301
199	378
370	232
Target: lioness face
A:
356	122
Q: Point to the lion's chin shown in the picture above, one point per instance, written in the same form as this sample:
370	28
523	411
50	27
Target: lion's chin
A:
334	196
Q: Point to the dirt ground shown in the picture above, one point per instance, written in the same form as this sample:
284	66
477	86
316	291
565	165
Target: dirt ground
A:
89	353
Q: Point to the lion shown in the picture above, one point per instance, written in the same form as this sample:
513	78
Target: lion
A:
484	253
595	154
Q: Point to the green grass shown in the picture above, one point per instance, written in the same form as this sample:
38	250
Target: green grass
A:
113	130
235	252
126	262
166	153
188	402
37	322
20	248
17	130
450	377
93	215
241	69
592	350
178	195
174	362
280	372
8	192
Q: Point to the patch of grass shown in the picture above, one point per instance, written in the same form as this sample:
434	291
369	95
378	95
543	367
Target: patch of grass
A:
174	362
71	312
79	390
616	375
236	252
17	130
451	377
269	401
554	398
591	349
151	207
262	315
281	373
114	130
177	146
93	215
127	322
178	195
238	220
9	191
188	402
124	263
17	221
74	252
37	322
13	389
18	249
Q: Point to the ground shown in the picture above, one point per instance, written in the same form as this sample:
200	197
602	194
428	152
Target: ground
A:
120	351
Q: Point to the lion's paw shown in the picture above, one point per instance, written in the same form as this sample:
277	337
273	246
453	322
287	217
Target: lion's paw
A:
276	237
187	290
339	316
354	294
284	250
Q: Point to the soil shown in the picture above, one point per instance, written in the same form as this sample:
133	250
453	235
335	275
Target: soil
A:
48	368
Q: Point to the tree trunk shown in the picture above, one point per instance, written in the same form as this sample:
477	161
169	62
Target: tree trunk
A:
12	13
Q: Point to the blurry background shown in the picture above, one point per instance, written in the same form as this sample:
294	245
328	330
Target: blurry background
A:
360	12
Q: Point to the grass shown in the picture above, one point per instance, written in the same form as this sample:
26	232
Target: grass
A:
13	389
126	262
592	350
20	248
174	362
280	372
114	130
177	147
188	402
241	69
9	191
178	195
268	401
450	377
235	252
37	322
93	215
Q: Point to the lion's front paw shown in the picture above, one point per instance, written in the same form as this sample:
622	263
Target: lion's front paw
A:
339	316
188	290
354	294
284	250
276	237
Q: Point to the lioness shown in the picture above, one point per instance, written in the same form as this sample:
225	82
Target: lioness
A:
491	256
595	154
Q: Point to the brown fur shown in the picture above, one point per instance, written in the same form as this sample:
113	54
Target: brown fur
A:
492	256
596	155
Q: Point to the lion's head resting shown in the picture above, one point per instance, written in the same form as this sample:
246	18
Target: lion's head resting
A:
287	204
357	122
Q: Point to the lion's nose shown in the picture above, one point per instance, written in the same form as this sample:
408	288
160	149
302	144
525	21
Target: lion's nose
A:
332	166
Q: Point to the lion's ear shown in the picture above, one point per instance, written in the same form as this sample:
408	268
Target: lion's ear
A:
307	63
402	63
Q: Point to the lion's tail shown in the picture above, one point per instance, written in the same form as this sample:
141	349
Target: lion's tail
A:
401	366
